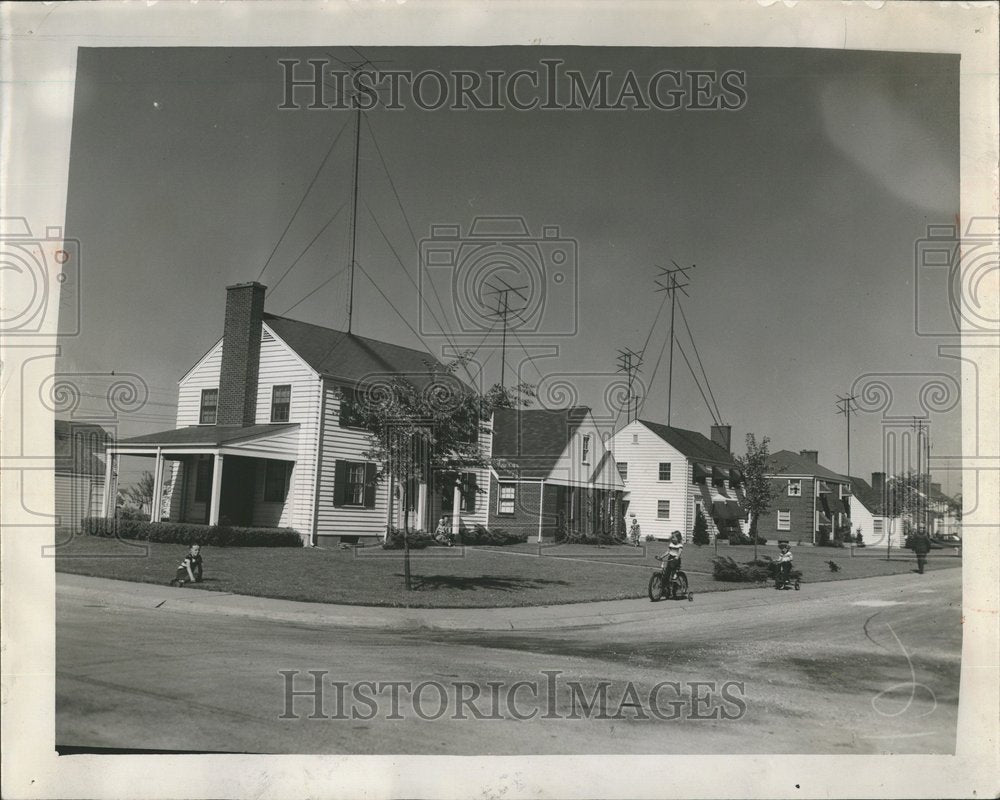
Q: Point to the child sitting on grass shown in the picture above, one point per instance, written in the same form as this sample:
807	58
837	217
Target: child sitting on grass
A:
189	570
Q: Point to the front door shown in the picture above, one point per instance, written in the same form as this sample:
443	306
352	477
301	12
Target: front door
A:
238	483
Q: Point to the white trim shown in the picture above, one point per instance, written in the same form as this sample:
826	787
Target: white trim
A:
289	349
200	361
216	501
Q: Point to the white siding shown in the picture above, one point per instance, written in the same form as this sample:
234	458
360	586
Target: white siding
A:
203	375
348	444
279	364
76	497
570	469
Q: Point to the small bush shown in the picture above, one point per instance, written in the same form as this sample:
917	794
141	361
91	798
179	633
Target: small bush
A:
763	569
418	540
496	537
833	565
186	533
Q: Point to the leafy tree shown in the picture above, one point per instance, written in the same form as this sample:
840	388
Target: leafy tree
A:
903	500
140	493
758	491
430	430
700	533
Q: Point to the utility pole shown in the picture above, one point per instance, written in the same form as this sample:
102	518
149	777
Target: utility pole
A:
845	406
502	312
922	429
672	287
629	362
354	218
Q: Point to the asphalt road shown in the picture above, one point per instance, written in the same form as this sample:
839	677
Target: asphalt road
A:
867	666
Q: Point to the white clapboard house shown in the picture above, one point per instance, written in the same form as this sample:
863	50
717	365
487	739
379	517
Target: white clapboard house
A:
671	472
868	509
264	434
79	470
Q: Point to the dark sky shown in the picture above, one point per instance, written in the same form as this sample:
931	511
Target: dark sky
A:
801	211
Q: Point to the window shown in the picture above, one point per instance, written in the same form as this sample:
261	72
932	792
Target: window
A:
354	490
354	484
635	438
209	406
663	509
795	488
203	481
586	449
877	526
845	491
505	499
281	401
349	416
623	470
664	471
784	520
275	481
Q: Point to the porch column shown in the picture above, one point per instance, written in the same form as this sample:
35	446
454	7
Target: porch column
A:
422	507
213	514
108	509
156	505
541	506
456	512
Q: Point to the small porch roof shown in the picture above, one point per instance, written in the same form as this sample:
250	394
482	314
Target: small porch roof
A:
278	441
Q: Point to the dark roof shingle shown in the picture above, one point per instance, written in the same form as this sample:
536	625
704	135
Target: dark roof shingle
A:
349	357
785	462
691	444
533	439
211	435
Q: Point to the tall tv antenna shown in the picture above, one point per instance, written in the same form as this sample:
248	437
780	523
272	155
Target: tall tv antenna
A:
670	281
503	311
629	362
846	406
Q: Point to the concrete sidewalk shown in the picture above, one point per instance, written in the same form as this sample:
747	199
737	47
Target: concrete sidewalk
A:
106	592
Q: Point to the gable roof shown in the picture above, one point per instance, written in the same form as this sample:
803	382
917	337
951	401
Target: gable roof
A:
691	444
785	462
348	357
867	496
533	439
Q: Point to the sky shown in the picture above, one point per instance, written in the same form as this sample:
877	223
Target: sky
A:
801	211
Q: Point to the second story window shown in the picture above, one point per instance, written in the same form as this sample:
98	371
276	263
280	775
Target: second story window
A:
664	471
586	449
209	407
281	402
623	470
795	488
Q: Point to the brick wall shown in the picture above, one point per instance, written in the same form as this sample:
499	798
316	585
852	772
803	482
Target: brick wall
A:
801	508
241	354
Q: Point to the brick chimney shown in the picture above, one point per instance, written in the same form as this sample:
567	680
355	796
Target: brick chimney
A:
878	482
722	435
241	354
936	487
810	455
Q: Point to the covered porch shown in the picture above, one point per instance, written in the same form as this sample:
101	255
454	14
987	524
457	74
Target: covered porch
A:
235	475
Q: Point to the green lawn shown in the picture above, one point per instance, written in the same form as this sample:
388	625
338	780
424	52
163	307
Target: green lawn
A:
443	577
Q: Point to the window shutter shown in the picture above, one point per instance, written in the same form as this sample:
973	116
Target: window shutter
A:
470	492
339	481
369	485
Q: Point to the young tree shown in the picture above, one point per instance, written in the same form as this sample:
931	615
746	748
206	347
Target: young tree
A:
757	489
140	493
700	534
903	500
428	427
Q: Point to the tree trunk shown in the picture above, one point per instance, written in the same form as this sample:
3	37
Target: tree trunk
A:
406	535
753	534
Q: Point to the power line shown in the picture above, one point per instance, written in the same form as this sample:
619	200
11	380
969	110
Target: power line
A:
303	200
392	306
298	258
338	273
695	346
700	390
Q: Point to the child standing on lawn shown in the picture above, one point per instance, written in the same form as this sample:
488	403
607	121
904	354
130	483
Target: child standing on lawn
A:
189	570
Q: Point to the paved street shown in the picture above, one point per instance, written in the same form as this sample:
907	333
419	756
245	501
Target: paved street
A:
865	666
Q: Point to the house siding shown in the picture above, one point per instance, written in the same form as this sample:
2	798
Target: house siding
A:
203	375
524	520
348	444
76	497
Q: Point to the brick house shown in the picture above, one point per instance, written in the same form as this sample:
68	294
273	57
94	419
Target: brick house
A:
264	435
670	473
811	500
552	474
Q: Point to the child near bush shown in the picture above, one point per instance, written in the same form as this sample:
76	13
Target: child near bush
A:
189	570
